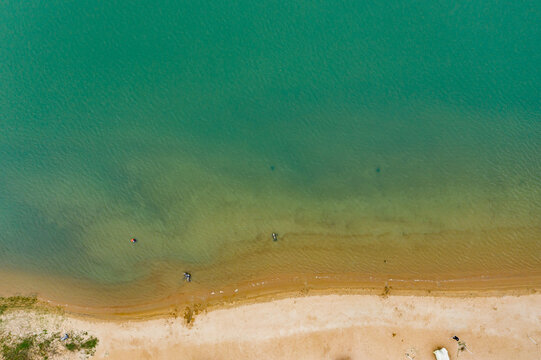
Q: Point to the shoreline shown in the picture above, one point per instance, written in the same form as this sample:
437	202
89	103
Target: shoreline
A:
498	318
173	307
402	264
294	286
317	327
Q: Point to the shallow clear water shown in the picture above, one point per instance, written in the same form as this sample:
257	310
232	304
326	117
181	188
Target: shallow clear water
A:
357	131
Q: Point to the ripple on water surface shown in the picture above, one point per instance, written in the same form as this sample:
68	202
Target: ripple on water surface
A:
379	141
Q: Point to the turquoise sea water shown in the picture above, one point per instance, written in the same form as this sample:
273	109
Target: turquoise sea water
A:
200	127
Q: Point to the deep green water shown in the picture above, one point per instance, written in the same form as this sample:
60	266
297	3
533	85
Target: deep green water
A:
200	127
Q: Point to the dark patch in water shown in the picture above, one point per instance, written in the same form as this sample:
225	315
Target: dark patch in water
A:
272	167
378	170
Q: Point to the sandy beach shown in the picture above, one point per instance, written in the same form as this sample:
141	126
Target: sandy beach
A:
315	327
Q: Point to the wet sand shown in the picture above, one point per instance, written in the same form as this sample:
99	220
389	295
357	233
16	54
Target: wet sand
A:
88	299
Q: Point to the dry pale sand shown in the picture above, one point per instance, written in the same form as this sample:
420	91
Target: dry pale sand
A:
320	327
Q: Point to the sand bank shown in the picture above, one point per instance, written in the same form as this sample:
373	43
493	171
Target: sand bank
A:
319	327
